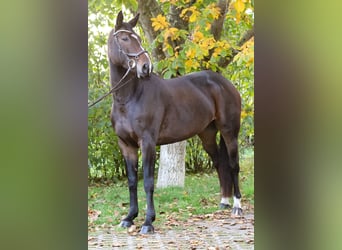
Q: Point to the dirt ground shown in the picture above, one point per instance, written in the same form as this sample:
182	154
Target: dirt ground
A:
212	231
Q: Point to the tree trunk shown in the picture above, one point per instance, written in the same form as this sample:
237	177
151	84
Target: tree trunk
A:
217	25
147	10
172	165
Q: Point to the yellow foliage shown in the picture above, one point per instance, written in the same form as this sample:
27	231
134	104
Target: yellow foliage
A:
173	2
207	43
217	51
214	10
239	6
188	64
171	33
183	13
238	17
250	61
223	44
166	47
207	26
159	22
246	53
219	47
191	53
243	114
191	64
198	36
194	14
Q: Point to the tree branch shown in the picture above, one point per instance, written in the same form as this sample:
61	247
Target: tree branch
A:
175	19
177	22
224	62
248	35
217	25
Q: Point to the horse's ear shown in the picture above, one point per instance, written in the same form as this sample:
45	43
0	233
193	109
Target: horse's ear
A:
134	21
119	20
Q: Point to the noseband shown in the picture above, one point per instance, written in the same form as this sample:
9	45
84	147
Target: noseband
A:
132	57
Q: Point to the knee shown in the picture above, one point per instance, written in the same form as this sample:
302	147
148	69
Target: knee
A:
149	185
132	182
235	168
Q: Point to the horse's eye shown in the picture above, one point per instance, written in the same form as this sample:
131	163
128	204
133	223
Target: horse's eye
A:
125	39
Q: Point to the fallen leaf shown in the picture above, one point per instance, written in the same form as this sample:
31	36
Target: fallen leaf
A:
117	244
93	214
251	241
132	228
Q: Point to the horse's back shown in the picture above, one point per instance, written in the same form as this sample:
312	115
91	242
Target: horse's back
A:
192	102
205	79
213	85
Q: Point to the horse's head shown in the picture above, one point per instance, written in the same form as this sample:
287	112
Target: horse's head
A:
124	48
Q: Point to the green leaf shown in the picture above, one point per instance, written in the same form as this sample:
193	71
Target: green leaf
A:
168	74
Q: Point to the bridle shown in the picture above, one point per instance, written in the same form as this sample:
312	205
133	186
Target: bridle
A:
132	57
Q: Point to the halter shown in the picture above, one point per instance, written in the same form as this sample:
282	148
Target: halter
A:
131	62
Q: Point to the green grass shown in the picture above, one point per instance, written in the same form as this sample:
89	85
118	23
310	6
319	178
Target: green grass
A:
201	195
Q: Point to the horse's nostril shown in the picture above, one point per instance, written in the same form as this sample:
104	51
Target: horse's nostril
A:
145	68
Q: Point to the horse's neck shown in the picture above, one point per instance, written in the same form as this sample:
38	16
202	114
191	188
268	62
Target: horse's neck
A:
129	83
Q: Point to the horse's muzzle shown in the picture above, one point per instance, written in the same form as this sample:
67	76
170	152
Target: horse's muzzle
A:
145	70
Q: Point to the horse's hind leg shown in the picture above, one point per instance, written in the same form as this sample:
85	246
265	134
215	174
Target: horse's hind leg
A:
130	155
208	138
230	136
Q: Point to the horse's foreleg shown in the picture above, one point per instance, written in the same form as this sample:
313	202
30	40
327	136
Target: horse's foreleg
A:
131	160
148	155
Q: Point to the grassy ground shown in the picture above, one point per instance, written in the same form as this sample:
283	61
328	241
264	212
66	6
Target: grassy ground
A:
108	204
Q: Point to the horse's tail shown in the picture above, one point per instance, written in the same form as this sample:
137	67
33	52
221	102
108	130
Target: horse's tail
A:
224	170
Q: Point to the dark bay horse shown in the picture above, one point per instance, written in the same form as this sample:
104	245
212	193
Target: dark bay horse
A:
149	111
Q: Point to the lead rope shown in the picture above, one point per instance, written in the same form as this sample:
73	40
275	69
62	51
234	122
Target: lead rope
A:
116	87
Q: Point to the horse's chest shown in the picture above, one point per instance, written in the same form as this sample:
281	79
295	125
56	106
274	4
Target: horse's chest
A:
125	126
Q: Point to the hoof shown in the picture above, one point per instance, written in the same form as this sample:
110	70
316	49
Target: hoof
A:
237	211
126	223
147	230
224	206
